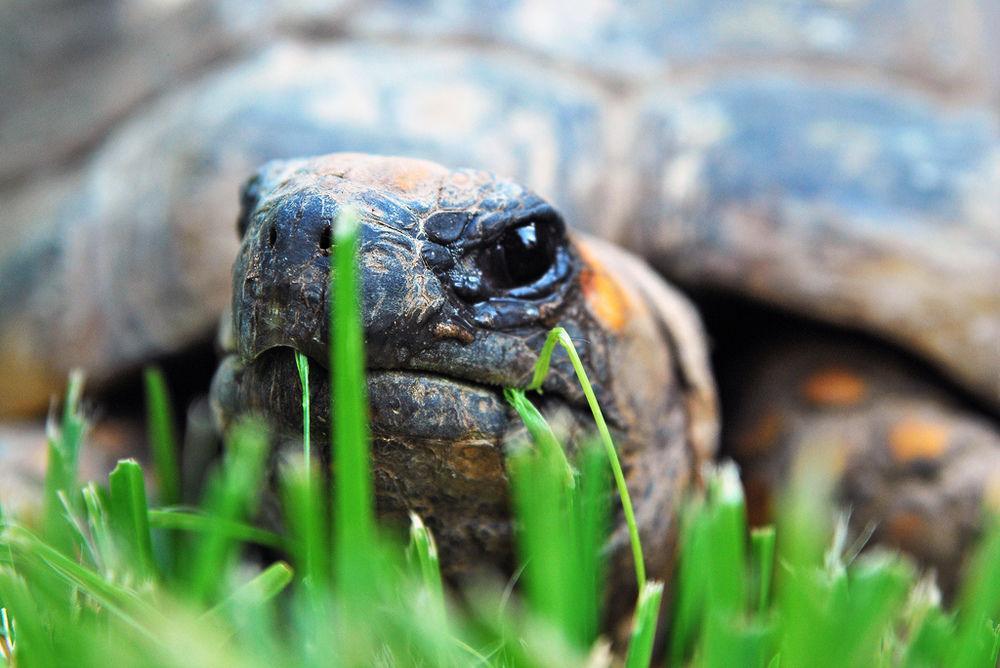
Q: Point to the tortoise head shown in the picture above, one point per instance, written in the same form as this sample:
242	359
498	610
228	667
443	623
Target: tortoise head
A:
463	274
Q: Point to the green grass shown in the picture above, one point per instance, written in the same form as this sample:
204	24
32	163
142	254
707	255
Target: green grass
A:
104	578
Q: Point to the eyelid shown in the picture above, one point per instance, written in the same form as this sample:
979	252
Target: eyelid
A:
555	274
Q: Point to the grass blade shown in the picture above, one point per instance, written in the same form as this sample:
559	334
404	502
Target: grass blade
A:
121	600
129	515
64	443
106	555
561	528
979	611
692	578
878	588
560	336
194	521
34	646
353	500
803	592
590	522
255	593
162	437
762	542
306	515
302	364
424	550
308	523
640	645
231	495
541	434
727	591
541	504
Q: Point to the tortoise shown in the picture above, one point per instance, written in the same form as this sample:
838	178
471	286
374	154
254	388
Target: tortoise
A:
820	177
464	273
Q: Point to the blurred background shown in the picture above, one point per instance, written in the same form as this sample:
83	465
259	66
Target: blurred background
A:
822	177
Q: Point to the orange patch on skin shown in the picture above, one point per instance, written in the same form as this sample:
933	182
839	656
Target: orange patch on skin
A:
605	298
912	439
478	463
834	387
907	530
407	180
761	437
452	331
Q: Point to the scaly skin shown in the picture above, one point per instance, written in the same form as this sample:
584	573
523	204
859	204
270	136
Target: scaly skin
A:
449	320
912	464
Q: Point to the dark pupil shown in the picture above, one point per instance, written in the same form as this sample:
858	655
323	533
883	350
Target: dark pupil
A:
524	254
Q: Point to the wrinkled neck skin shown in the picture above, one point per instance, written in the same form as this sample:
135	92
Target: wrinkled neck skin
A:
463	274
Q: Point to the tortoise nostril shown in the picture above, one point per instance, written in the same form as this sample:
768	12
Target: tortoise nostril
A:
325	239
272	236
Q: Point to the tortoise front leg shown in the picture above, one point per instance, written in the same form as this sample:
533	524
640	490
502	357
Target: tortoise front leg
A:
911	462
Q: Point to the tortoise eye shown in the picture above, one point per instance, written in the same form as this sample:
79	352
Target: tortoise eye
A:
522	255
504	277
